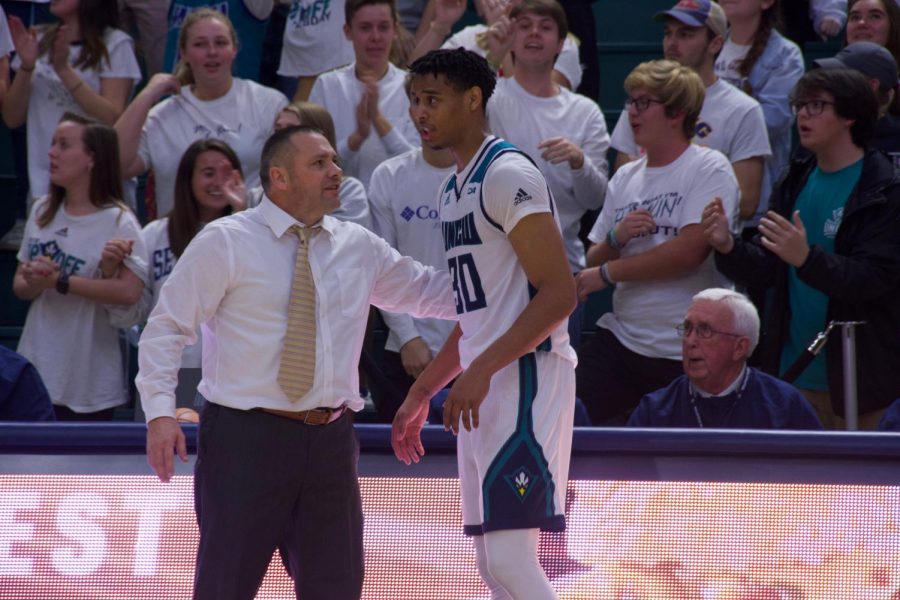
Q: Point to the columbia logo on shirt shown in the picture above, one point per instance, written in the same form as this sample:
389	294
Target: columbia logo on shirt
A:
423	212
521	196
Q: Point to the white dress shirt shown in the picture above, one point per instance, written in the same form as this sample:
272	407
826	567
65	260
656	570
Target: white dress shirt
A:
235	279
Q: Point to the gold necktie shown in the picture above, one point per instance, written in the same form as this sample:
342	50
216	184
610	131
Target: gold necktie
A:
297	370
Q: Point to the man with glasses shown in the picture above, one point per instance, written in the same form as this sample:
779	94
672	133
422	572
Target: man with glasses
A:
730	121
830	247
649	245
718	388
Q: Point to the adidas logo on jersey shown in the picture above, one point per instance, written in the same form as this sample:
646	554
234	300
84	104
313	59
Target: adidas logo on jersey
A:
64	232
521	196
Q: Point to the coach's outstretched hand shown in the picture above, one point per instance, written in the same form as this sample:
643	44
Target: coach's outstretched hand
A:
164	436
406	439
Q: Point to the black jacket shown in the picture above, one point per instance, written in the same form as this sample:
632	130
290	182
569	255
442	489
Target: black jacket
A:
861	280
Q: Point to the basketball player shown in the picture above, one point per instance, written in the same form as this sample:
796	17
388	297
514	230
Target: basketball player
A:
513	400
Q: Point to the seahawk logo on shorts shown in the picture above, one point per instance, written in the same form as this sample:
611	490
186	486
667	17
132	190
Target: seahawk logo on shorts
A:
520	481
521	196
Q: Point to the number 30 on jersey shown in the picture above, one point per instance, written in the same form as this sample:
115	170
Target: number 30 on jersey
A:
466	284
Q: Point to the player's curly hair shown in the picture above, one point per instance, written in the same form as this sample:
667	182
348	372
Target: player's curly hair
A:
462	68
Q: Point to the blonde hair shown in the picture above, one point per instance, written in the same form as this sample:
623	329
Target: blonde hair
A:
182	69
679	88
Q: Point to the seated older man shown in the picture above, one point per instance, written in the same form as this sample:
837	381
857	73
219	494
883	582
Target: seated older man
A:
718	389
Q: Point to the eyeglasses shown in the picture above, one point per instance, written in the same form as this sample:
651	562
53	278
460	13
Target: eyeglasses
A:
641	104
814	108
702	330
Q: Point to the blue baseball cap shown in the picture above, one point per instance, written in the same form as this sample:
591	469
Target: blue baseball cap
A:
698	13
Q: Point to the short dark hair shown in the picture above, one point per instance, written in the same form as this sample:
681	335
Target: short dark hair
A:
463	69
544	8
853	98
353	6
278	149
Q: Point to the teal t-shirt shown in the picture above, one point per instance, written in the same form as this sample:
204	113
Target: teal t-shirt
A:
821	205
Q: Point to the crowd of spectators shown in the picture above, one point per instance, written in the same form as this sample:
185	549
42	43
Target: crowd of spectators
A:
735	168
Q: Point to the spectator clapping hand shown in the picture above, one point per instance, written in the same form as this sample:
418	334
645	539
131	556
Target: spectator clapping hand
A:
499	40
829	27
715	227
40	274
59	51
635	224
233	186
114	253
162	84
558	149
25	41
447	13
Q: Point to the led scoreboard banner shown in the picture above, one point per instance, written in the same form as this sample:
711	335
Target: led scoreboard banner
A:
652	515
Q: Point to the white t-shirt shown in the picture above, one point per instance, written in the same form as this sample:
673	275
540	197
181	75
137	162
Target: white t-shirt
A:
314	40
568	63
160	262
729	61
242	118
479	206
645	313
49	99
527	120
69	338
403	196
339	91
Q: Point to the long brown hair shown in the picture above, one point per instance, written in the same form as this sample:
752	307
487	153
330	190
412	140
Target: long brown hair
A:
182	69
105	188
768	22
184	219
94	18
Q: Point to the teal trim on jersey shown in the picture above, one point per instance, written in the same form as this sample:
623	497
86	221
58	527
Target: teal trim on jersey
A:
492	152
544	346
523	436
495	150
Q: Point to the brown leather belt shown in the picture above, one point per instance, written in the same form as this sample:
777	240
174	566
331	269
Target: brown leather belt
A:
316	416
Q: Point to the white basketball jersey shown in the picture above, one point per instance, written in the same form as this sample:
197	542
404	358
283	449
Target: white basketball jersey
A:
479	206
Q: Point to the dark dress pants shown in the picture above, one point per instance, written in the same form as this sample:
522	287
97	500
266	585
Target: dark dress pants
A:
263	481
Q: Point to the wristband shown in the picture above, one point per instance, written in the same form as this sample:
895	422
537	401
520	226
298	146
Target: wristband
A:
26	69
604	275
613	241
62	283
